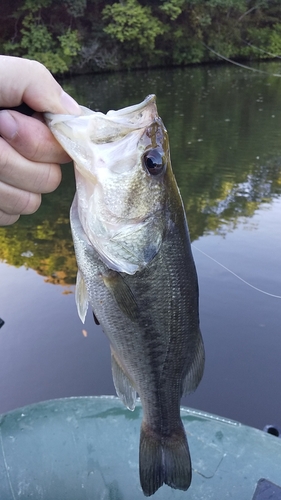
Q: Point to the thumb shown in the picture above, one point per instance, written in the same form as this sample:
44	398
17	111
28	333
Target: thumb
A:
23	80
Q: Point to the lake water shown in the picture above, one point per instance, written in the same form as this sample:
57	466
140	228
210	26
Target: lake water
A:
224	125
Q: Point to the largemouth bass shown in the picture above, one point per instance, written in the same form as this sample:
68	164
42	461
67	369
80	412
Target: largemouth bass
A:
137	272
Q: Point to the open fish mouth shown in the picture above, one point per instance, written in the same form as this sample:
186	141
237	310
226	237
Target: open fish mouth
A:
107	127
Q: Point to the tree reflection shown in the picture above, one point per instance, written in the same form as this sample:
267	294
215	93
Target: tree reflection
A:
220	208
43	241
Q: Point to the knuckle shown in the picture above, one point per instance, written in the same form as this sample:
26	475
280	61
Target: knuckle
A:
55	177
49	179
35	153
31	203
4	157
24	202
40	68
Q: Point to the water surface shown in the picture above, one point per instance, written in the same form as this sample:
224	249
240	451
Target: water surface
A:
224	126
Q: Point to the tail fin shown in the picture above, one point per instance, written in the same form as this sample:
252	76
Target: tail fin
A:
164	460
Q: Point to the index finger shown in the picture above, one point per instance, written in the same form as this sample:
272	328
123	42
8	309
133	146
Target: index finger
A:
24	80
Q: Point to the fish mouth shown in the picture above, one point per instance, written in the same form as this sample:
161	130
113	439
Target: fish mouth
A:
135	109
82	136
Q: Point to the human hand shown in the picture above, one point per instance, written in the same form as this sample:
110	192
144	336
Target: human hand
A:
29	154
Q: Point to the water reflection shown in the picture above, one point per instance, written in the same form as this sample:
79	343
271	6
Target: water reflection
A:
224	126
43	241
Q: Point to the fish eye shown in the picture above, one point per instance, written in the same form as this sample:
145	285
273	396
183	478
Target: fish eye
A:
154	162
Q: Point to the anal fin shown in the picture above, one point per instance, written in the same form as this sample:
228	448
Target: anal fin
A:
196	370
123	385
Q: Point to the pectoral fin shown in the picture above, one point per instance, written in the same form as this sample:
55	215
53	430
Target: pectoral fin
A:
122	384
122	294
195	372
81	297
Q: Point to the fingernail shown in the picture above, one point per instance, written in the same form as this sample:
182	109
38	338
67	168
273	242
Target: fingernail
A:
69	104
8	125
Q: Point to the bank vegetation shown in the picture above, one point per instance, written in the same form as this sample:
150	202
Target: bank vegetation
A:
79	36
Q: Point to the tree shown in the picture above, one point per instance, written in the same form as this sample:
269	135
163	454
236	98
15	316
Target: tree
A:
133	25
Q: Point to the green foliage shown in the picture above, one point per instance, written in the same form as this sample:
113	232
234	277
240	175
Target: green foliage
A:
70	43
189	51
263	43
223	5
94	35
35	5
76	8
130	22
38	43
275	40
42	42
173	8
226	4
35	36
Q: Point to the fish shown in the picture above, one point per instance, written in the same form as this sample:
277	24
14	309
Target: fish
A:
136	270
